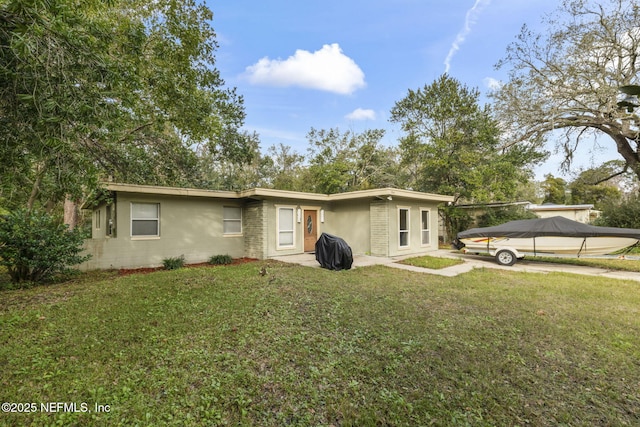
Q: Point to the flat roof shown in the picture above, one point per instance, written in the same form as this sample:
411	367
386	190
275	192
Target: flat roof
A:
382	193
552	207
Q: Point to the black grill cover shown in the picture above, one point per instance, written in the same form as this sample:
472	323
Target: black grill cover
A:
333	253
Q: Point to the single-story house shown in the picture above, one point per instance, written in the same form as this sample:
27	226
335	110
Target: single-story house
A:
140	226
581	213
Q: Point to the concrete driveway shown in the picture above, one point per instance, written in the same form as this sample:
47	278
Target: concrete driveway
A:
470	262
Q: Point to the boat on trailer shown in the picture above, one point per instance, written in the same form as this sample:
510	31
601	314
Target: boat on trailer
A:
555	235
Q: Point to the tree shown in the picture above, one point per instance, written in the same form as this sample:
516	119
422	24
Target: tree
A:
340	162
592	186
555	190
452	146
287	168
567	79
233	174
97	88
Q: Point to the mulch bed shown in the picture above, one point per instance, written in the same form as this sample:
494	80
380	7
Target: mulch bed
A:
147	270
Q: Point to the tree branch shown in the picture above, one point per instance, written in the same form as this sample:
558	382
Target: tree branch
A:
134	130
600	181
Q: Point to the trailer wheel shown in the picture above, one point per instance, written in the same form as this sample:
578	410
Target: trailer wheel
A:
505	257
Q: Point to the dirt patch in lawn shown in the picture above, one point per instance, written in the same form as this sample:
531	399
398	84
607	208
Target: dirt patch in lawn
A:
147	270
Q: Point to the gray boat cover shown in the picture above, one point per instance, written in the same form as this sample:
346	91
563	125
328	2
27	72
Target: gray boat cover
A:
554	226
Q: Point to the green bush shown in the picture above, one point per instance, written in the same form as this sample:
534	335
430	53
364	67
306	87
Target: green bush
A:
35	245
220	259
173	263
624	215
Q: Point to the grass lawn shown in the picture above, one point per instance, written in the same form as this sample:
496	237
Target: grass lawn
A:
609	264
431	262
606	263
307	347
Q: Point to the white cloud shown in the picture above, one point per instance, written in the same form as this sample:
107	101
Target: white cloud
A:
361	114
491	83
326	69
471	18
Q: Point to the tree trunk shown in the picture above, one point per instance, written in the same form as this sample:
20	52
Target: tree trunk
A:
35	189
70	212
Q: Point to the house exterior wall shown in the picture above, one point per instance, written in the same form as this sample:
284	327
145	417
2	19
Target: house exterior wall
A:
371	227
192	227
350	220
415	245
255	222
272	248
379	218
191	223
580	215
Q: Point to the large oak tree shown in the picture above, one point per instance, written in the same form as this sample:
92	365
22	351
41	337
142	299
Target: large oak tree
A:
567	79
97	88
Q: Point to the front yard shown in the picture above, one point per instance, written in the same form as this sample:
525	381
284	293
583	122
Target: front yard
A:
301	346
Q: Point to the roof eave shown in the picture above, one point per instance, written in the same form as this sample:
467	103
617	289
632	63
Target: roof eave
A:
265	193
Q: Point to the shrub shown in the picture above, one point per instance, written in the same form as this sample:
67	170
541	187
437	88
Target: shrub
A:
624	215
220	259
173	263
35	245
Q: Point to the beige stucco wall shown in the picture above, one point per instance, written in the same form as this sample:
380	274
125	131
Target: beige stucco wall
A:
415	236
191	227
370	227
272	206
580	215
351	221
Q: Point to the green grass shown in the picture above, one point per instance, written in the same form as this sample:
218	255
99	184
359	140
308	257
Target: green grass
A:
609	264
307	347
606	263
434	263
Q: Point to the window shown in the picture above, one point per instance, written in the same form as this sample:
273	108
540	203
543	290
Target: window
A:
285	227
404	227
232	220
110	217
98	219
424	227
145	219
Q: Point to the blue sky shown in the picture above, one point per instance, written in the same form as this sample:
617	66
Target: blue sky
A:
344	64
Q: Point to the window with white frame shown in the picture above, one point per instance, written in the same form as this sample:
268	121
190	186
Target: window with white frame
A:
286	227
232	220
425	217
145	219
403	222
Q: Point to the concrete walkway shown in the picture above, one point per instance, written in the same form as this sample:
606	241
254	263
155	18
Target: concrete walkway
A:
470	262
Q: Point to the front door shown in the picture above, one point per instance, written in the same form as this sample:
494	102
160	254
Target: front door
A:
310	230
